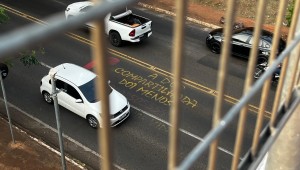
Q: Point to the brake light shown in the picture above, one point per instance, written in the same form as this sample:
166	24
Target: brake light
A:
132	33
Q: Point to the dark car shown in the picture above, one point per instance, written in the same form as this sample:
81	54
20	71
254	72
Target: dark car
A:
242	40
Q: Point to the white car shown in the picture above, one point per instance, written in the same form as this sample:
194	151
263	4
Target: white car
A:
120	26
76	87
78	8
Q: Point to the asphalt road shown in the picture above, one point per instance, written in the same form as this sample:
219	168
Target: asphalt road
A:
141	142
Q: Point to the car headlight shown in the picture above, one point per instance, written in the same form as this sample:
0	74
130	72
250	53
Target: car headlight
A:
209	37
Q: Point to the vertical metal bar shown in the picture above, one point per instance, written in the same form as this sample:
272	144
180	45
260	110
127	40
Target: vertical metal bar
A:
101	68
6	107
249	79
253	59
293	73
266	88
285	151
290	82
225	53
278	96
177	71
57	115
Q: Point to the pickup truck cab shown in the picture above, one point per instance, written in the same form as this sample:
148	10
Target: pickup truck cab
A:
121	26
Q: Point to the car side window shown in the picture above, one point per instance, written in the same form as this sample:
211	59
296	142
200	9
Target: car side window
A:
240	37
260	43
85	9
60	84
72	92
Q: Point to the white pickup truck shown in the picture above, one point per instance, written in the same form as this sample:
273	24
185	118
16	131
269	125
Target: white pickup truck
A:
124	26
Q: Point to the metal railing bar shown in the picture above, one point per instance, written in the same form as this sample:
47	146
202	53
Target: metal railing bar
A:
223	67
101	69
294	71
279	127
17	40
266	138
233	112
295	56
266	87
291	35
177	59
249	80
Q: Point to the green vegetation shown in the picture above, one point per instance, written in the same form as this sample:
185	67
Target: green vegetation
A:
28	57
3	16
290	12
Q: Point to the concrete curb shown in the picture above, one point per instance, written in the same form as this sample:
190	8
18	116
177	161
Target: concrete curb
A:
173	14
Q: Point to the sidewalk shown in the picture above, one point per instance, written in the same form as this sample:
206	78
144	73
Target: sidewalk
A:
27	152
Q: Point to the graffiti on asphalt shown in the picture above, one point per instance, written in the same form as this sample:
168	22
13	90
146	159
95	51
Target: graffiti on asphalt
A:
153	87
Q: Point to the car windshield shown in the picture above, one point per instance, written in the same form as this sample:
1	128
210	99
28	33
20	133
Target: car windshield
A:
85	9
89	90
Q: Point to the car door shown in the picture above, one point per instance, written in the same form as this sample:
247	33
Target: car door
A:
240	45
68	98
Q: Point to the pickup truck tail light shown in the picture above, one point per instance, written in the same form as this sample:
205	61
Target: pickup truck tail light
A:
132	33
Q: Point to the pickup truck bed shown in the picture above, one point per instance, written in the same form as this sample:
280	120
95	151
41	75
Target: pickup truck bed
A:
132	20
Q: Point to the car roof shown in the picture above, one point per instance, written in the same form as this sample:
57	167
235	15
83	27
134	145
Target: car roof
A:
74	73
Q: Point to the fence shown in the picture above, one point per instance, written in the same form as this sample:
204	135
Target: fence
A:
287	95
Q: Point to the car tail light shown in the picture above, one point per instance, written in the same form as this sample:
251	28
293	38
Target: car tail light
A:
132	33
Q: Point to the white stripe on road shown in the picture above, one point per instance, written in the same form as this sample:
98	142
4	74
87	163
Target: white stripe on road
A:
45	65
181	130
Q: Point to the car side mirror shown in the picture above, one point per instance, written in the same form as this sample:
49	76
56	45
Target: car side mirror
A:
78	101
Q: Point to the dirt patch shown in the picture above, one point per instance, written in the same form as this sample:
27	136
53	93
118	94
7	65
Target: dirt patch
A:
211	11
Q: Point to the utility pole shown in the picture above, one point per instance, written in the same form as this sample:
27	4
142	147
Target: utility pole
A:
57	115
3	74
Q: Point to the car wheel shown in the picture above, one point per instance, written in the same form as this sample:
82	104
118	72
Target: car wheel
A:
115	39
258	72
93	122
262	59
47	97
215	47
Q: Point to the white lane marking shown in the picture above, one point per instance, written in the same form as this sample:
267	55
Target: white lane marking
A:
181	130
45	65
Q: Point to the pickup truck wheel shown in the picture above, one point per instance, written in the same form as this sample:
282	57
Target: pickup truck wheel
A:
93	122
115	39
